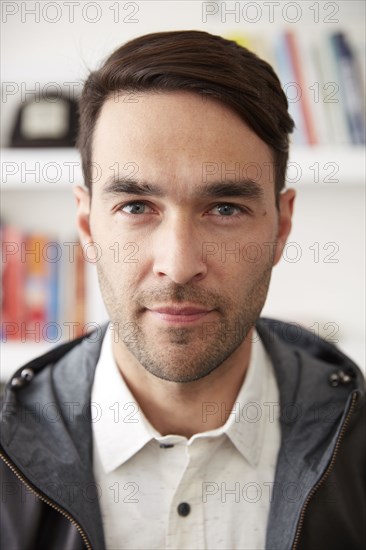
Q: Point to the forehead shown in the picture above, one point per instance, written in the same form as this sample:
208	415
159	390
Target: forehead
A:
177	137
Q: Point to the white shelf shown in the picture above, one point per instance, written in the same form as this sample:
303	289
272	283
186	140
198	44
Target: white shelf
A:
61	168
326	166
43	169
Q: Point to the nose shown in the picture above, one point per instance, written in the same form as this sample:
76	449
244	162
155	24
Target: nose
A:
177	250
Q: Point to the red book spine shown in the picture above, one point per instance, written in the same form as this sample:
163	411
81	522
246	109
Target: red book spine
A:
13	276
304	101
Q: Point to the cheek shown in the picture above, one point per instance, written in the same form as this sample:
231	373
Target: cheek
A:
236	268
246	253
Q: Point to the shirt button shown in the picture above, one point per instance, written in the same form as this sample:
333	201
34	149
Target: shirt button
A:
184	509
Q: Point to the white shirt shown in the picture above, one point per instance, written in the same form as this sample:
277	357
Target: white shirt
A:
225	475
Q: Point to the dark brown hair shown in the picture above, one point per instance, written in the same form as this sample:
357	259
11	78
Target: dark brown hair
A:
204	64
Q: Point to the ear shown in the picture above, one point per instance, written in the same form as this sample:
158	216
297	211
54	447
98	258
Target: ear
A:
83	203
286	207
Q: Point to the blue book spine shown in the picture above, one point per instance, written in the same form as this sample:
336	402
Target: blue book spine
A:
53	332
351	87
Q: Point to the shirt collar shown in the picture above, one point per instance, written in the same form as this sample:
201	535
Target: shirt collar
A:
246	423
120	428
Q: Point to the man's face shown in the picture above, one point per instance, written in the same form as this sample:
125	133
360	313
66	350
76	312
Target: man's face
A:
183	213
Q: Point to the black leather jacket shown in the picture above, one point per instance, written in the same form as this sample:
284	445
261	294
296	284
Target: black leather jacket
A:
49	498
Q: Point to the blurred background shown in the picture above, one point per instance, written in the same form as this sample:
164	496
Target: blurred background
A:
49	292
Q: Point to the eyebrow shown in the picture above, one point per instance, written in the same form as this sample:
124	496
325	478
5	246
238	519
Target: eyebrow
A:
245	188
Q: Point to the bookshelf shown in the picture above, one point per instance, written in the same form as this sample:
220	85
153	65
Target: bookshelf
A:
41	180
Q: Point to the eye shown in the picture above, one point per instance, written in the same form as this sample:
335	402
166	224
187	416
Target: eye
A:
228	210
134	207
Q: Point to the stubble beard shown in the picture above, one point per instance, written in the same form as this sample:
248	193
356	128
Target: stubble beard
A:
184	354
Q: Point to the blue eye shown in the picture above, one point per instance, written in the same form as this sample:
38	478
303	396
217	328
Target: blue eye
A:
227	210
134	207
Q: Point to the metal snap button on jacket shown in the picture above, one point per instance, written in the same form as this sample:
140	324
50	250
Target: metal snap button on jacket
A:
25	377
340	377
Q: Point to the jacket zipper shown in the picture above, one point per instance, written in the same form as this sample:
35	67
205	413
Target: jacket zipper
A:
326	473
47	501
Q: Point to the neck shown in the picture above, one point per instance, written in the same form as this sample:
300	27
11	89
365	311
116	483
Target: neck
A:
191	407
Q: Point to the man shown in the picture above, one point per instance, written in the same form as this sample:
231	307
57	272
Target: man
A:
188	422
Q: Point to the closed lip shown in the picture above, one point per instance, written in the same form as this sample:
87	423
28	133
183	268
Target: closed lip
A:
180	310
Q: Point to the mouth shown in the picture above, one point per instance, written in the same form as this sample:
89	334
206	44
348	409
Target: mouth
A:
179	314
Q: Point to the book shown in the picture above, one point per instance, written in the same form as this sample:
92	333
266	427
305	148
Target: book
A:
290	86
43	288
12	282
297	67
350	86
330	92
323	77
